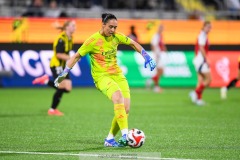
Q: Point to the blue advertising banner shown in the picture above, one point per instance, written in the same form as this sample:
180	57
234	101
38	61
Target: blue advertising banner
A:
29	64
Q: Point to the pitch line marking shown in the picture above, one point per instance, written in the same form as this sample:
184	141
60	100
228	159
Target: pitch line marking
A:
85	155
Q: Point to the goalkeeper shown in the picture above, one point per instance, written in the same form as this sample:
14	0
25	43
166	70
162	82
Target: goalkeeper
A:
107	75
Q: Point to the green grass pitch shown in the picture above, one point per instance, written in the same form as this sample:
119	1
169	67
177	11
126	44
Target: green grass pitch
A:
173	126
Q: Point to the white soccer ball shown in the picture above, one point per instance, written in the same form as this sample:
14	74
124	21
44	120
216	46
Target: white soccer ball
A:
136	138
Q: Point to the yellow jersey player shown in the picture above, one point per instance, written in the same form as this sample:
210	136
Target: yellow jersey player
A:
232	83
107	75
61	48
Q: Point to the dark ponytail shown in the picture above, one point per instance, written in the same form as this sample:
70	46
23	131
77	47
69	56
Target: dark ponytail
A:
107	16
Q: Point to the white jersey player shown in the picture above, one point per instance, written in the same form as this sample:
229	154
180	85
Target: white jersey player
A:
159	50
201	64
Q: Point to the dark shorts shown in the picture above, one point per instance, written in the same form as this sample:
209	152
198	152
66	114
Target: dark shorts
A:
56	71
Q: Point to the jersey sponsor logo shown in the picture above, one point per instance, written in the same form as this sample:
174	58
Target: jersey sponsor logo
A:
110	53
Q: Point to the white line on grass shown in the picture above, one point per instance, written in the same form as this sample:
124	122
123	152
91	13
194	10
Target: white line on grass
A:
86	155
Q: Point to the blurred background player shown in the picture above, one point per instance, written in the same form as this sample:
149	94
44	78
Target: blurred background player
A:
20	28
231	84
201	64
133	35
159	50
107	75
61	47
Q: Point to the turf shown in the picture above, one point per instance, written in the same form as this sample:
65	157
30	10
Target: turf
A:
174	127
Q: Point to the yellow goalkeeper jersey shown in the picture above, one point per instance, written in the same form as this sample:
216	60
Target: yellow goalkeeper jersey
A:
103	53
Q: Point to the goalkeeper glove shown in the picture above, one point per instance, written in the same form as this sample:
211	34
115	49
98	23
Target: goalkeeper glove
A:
61	76
148	60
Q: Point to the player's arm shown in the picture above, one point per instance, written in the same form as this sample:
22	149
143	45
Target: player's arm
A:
73	60
202	39
148	60
164	48
63	56
203	51
70	63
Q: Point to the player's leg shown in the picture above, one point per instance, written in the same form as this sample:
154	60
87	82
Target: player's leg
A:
206	80
111	89
115	127
197	63
107	86
199	87
121	116
232	83
156	78
64	87
44	80
123	84
160	68
235	80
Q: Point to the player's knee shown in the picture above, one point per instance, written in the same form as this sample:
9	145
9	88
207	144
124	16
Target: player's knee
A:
208	81
68	88
117	97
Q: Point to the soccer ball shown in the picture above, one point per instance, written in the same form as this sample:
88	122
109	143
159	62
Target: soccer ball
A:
136	138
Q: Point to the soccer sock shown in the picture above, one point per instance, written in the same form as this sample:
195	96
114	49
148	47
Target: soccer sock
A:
51	84
232	83
155	80
121	117
114	128
57	98
199	91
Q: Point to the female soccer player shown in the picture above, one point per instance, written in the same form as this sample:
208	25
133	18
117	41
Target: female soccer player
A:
201	64
159	50
107	75
61	47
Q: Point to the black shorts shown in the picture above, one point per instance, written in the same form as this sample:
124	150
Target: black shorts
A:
56	71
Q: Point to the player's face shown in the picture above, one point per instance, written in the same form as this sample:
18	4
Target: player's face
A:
71	27
110	27
207	28
160	29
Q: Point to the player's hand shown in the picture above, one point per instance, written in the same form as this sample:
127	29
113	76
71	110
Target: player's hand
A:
148	60
61	76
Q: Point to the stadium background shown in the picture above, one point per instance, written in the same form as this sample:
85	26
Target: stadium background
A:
27	32
25	50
